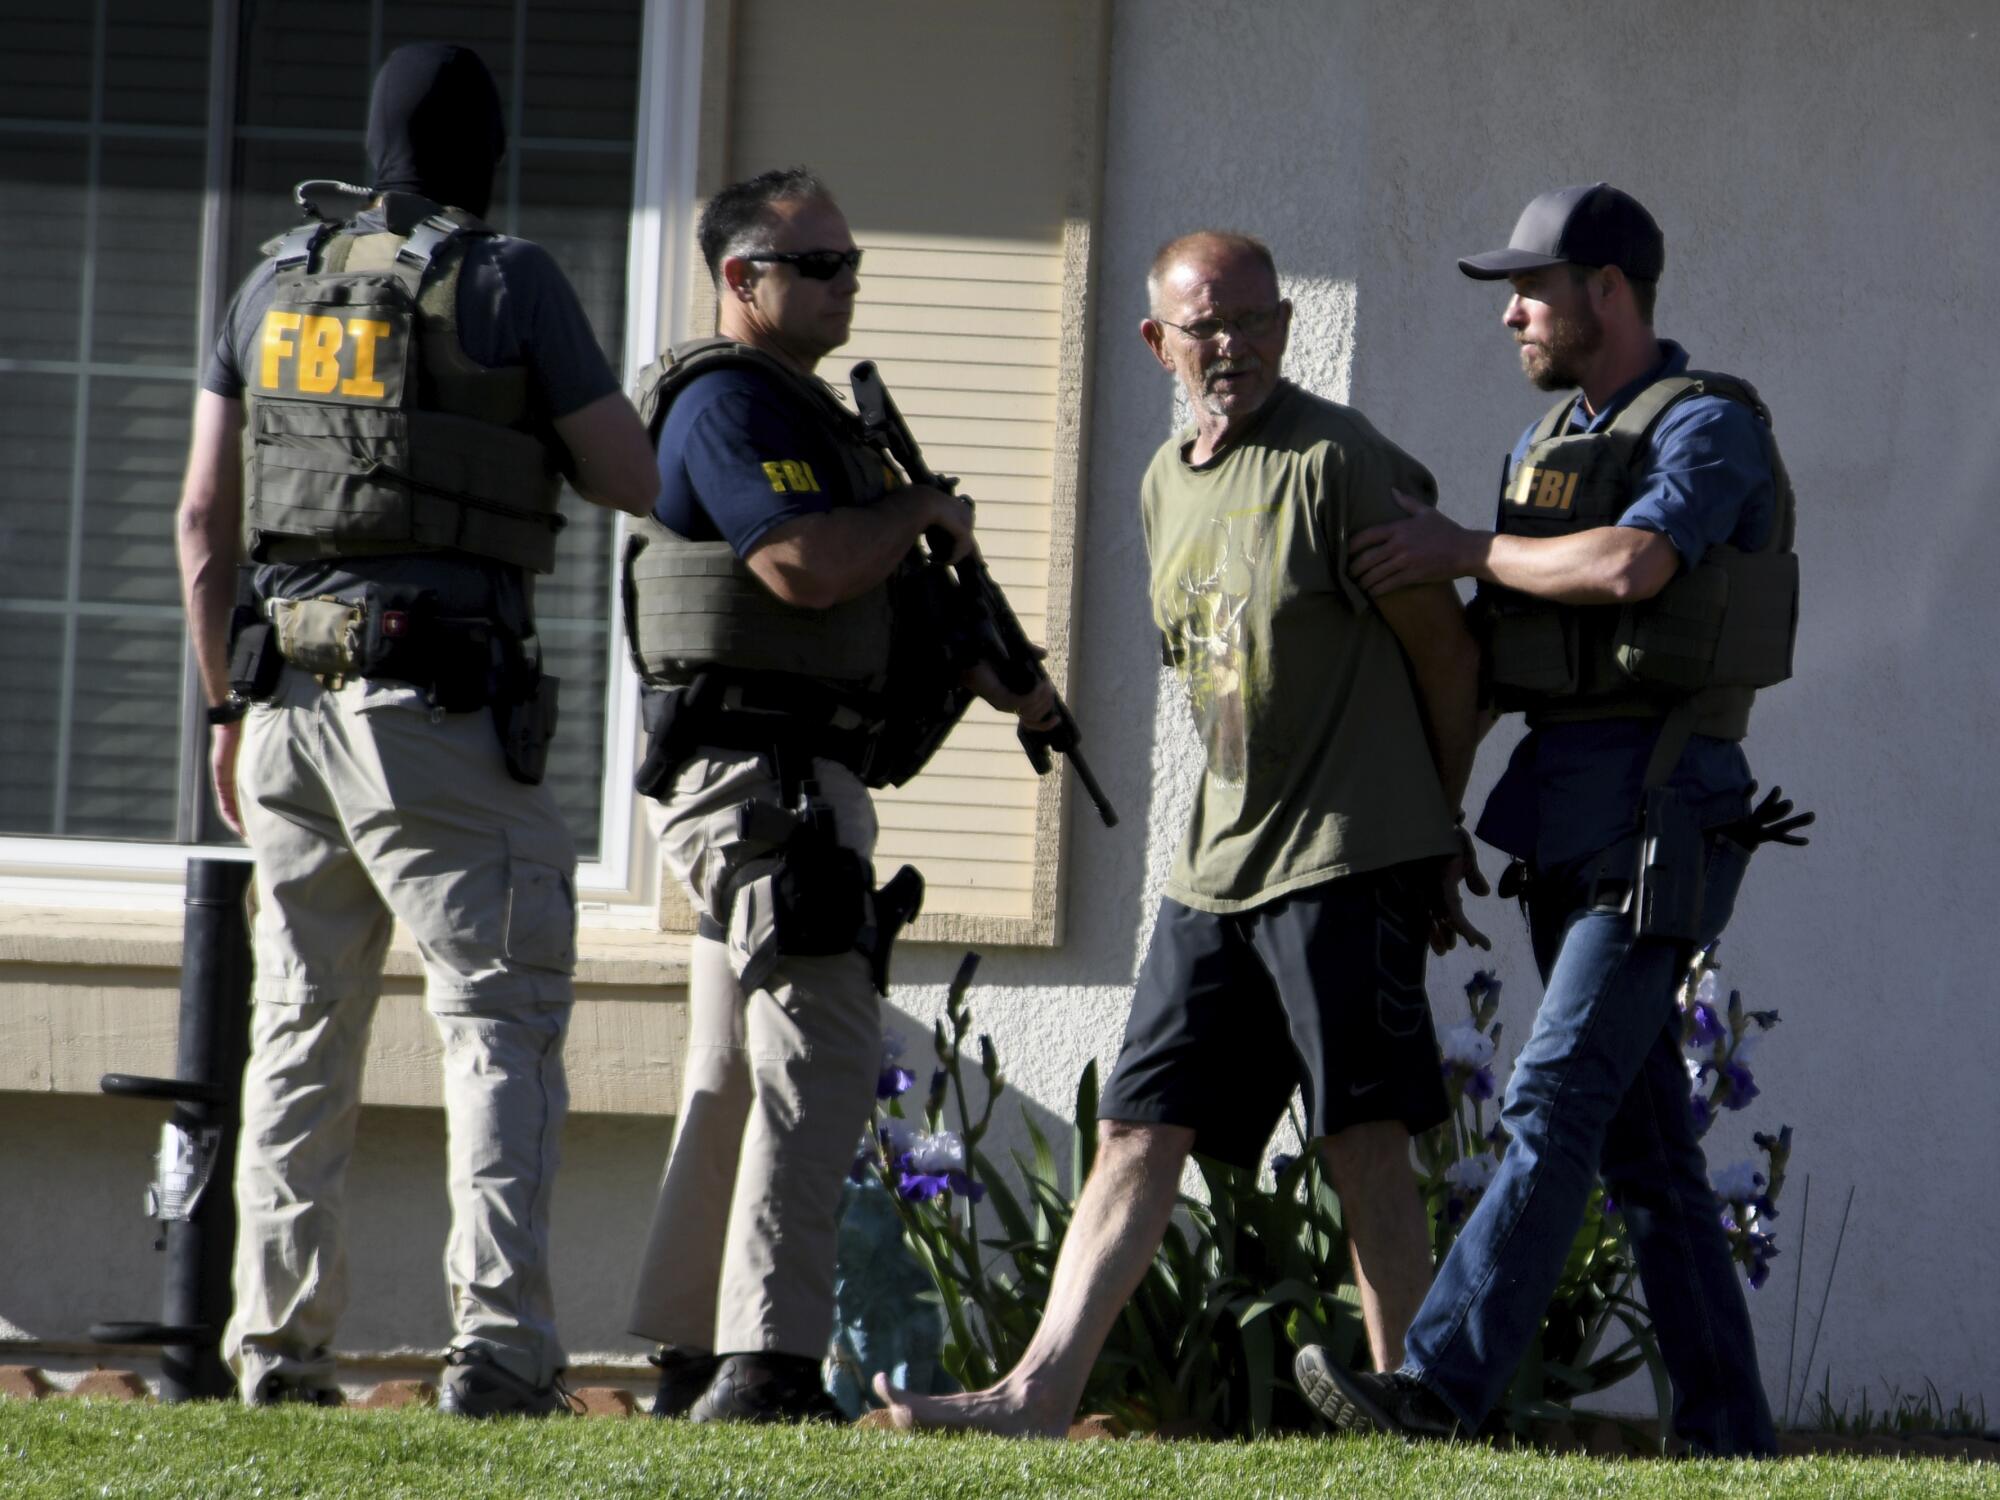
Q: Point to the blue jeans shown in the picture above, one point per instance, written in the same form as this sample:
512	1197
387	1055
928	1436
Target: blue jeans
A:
1600	1089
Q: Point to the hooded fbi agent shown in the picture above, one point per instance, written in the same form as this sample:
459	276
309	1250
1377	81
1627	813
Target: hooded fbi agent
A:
379	445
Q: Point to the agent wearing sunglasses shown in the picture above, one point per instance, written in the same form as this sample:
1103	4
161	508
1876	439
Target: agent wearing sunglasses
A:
763	615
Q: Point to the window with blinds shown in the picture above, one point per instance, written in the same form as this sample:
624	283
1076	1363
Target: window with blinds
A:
106	140
102	150
972	195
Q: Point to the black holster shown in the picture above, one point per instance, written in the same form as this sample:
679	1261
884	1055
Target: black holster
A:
894	906
669	717
254	658
524	716
1673	856
823	895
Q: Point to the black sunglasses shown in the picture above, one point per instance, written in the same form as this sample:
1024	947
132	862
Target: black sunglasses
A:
814	265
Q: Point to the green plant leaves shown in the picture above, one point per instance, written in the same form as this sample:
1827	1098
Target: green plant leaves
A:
1242	1277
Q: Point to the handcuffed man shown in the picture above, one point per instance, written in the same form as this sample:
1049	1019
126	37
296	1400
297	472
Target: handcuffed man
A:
1320	857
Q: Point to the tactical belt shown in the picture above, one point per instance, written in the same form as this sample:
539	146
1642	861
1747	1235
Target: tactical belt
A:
456	660
792	720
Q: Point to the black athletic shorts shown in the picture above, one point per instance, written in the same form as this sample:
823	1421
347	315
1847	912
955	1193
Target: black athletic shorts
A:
1321	990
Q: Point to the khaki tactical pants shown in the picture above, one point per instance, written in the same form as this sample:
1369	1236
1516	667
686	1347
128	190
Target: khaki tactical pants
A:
780	1082
360	803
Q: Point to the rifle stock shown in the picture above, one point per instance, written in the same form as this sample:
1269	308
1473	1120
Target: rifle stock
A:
1002	644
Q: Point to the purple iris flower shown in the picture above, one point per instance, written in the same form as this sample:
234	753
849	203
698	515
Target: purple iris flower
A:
1281	1163
1704	1113
893	1082
1707	1028
1480	1084
1763	1250
862	1170
1481	985
965	1187
921	1187
1610	1206
1742	1087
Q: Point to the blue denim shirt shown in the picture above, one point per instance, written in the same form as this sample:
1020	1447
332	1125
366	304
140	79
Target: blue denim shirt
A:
1572	789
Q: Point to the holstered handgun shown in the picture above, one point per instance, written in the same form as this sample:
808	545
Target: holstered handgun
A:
896	905
254	659
524	716
1672	855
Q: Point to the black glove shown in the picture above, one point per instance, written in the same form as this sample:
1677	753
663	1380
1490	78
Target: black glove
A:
1771	821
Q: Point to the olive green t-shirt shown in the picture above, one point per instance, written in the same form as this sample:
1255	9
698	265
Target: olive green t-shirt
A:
1317	761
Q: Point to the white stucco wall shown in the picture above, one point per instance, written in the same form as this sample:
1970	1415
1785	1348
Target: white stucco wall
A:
1822	174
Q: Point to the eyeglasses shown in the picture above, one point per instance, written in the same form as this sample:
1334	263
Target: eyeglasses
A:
1250	325
814	265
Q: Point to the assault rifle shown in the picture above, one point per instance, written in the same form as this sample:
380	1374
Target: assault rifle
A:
997	636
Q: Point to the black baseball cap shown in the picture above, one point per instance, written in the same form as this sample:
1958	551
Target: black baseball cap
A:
1580	226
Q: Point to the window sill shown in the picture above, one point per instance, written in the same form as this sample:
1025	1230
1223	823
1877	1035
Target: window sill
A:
619	958
84	992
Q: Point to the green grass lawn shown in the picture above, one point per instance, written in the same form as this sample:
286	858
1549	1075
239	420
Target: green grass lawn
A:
74	1449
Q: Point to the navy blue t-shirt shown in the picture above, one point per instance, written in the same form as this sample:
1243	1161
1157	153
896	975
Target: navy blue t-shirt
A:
739	454
515	307
1571	789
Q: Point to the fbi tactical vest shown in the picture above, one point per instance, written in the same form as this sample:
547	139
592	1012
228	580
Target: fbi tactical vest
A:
371	429
693	605
1714	635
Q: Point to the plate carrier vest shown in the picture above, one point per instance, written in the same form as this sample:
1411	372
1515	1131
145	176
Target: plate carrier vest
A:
371	429
694	605
1714	635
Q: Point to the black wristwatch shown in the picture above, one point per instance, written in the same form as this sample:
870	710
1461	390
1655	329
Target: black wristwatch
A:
230	711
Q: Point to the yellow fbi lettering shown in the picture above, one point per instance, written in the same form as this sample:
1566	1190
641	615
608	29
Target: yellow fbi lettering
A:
320	355
1542	488
789	476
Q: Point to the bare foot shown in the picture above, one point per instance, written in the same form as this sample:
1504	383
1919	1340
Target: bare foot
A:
1000	1410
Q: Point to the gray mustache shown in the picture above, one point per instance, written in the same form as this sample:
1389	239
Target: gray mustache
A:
1230	367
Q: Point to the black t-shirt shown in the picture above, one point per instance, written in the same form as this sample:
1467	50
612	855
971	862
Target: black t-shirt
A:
515	307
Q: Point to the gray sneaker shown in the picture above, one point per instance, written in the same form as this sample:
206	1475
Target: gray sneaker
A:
1363	1401
476	1386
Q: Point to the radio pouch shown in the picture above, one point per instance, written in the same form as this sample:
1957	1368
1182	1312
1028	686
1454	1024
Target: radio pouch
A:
321	636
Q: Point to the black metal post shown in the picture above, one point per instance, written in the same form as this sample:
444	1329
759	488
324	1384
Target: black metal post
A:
207	1097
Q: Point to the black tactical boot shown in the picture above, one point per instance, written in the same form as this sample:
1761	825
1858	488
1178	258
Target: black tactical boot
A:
475	1386
281	1390
684	1375
765	1387
1353	1401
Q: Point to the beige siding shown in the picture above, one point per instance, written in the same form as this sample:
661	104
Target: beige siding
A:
970	300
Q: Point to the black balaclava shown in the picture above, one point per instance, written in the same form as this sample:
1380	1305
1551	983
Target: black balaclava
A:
435	127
